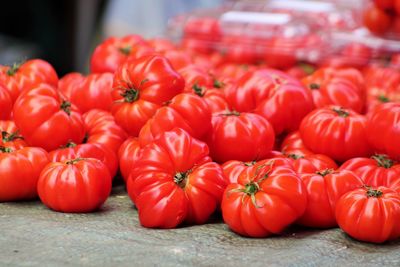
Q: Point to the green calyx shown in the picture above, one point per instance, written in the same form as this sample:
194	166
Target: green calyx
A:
249	163
125	50
383	161
14	68
295	156
180	178
130	95
383	99
374	193
218	84
5	149
231	113
198	90
66	107
341	112
325	172
9	137
73	161
314	86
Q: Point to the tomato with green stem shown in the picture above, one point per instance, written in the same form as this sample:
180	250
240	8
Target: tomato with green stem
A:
311	163
10	136
215	98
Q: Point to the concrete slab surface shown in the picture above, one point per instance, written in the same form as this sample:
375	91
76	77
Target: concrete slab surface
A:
32	235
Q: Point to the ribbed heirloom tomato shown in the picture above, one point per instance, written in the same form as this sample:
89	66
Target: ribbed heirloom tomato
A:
293	144
324	188
19	172
140	87
6	103
311	163
46	119
76	185
128	154
175	181
10	136
240	136
265	200
215	98
370	214
336	132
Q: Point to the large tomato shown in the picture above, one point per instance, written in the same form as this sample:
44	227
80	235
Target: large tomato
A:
77	185
293	144
274	95
370	214
91	92
27	75
101	128
19	172
10	136
383	129
46	119
240	136
336	132
113	52
324	188
140	87
215	98
265	200
6	103
378	170
311	163
175	181
186	111
128	154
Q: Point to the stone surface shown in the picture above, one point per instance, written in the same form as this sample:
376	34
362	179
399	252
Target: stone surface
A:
32	235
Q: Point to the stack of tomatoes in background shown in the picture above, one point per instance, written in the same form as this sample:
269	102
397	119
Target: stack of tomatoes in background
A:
260	113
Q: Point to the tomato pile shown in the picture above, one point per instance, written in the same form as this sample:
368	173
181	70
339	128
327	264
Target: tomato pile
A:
192	134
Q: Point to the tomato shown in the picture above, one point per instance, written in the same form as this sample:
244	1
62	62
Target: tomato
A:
264	201
91	92
339	133
76	185
112	53
240	136
27	75
6	103
370	214
215	98
19	172
175	181
378	170
46	119
140	87
10	136
186	111
279	98
324	189
311	163
128	154
101	128
383	128
140	50
233	71
376	20
293	144
71	151
195	75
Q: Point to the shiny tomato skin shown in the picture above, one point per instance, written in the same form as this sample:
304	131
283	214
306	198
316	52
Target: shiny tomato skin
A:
370	214
186	111
175	181
324	189
195	75
10	136
376	20
339	133
264	201
240	136
311	163
292	143
19	172
140	87
378	170
27	75
46	119
6	103
90	92
383	129
74	186
179	59
276	96
112	53
101	128
128	154
214	98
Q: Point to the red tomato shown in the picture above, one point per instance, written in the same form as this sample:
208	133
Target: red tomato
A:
46	119
240	136
140	87
324	189
186	111
128	154
215	98
19	172
10	136
311	163
336	132
91	92
27	75
274	95
195	75
265	200
101	128
77	185
376	20
175	181
71	151
378	170
112	53
6	103
293	144
370	214
140	50
233	71
383	128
